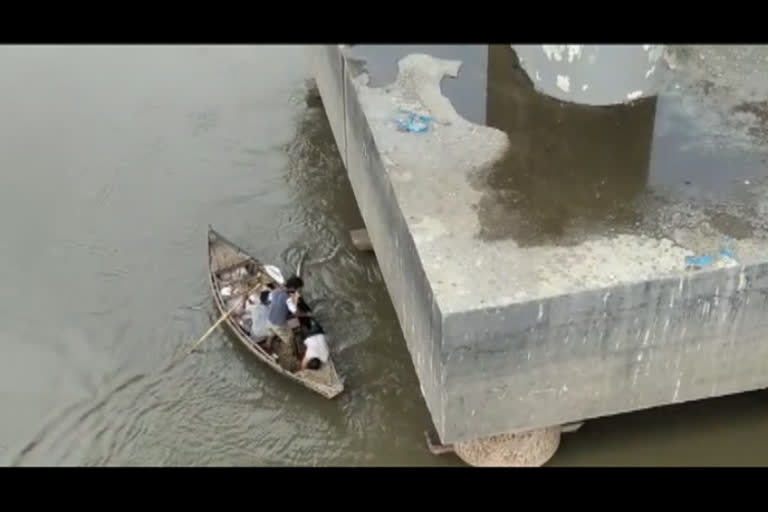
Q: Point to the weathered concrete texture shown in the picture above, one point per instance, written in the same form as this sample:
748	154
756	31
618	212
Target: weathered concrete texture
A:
593	74
508	338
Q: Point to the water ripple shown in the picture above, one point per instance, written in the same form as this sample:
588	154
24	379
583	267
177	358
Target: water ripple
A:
253	158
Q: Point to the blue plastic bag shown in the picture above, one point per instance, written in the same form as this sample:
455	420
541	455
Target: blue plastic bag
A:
698	261
413	123
726	251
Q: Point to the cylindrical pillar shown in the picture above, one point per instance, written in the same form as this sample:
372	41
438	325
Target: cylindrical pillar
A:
593	74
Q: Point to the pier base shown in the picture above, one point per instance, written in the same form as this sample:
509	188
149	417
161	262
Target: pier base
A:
523	449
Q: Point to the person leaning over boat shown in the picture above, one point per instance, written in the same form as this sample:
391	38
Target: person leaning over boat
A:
282	306
316	352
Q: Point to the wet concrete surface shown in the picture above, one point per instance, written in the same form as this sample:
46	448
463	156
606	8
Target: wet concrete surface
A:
573	172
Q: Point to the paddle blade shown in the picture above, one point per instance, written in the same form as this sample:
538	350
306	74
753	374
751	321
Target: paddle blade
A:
275	274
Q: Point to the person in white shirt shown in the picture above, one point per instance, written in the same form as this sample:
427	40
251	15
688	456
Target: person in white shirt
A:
316	351
257	313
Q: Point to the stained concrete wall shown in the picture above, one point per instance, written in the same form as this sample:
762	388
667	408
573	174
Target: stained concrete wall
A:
605	352
593	74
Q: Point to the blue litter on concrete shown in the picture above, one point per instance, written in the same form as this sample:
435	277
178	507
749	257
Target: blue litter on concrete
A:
698	261
725	251
413	123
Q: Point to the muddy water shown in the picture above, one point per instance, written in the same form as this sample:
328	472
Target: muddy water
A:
114	160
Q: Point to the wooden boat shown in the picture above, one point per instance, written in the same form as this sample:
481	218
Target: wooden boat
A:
233	272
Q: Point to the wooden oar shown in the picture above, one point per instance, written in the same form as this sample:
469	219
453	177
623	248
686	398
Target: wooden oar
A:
223	317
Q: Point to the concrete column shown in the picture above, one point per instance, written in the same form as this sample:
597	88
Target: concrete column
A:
593	74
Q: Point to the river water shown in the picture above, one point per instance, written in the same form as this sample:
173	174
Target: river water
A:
114	161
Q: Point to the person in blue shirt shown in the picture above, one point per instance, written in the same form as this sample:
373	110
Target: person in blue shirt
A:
281	308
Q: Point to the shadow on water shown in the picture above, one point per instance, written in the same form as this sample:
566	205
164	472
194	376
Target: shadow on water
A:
574	171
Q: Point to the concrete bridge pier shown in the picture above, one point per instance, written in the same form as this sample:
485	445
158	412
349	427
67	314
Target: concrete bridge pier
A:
537	280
